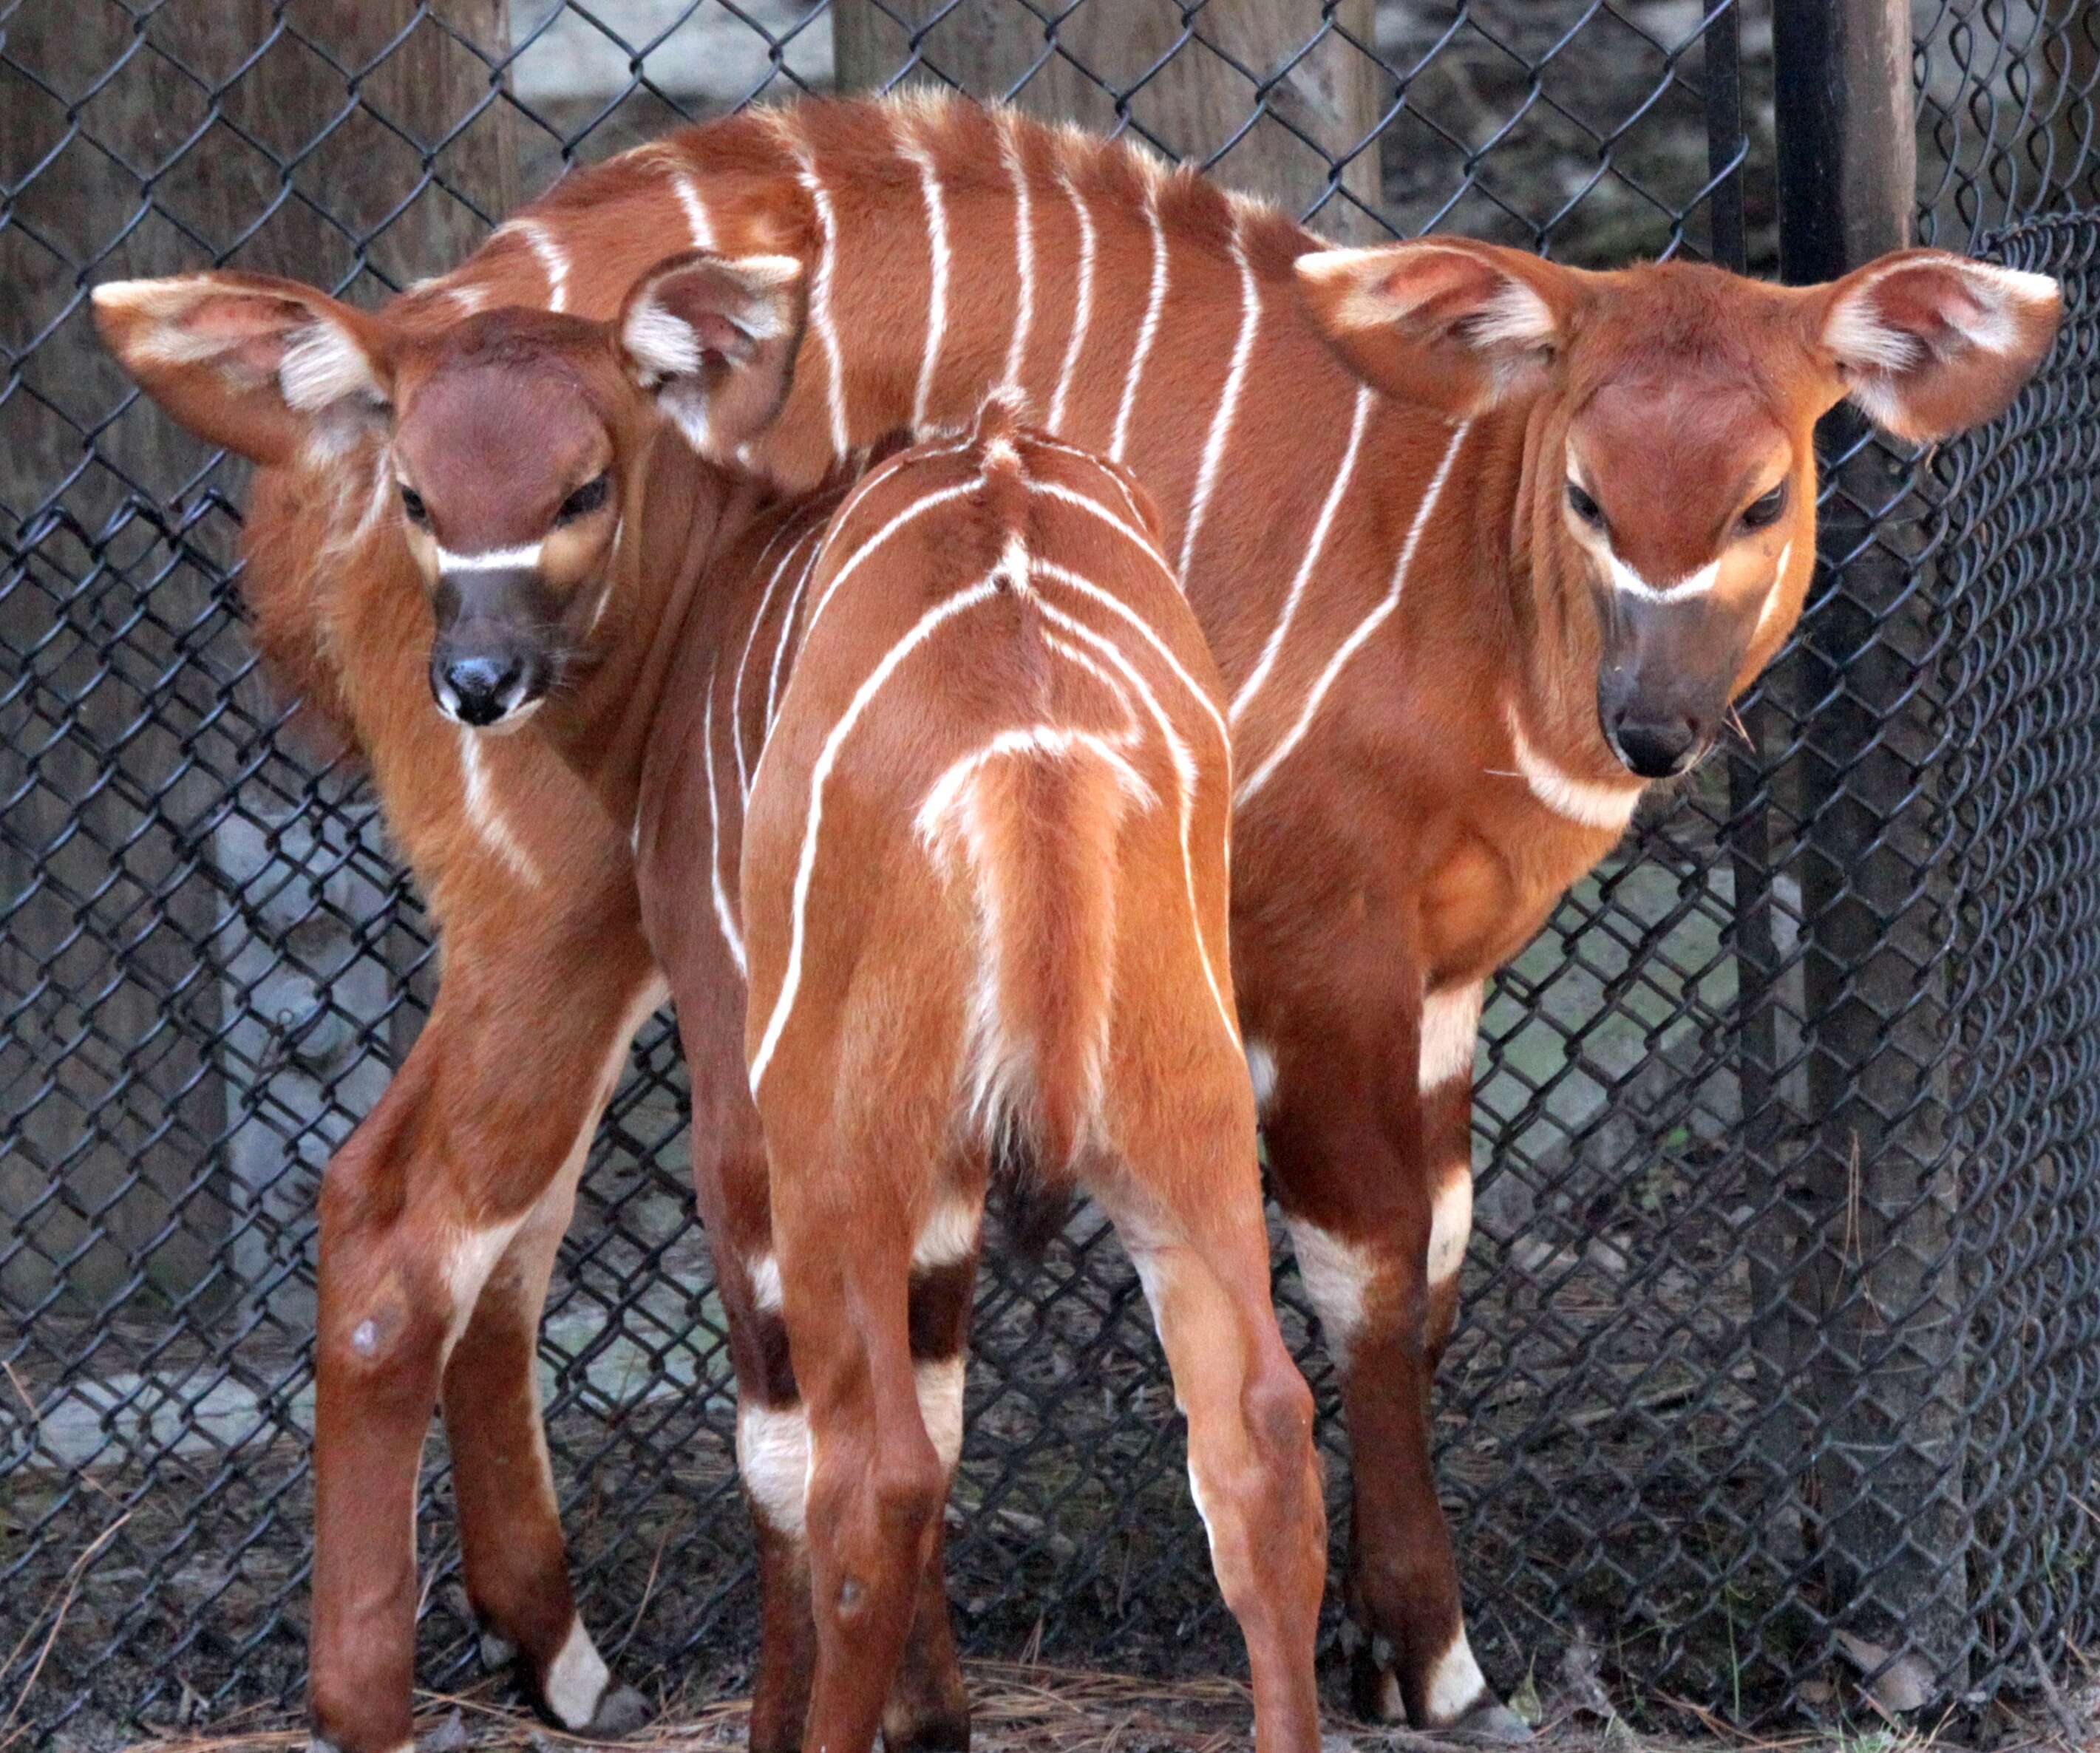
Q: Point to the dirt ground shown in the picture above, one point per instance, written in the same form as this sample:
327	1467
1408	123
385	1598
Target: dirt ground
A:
1030	1709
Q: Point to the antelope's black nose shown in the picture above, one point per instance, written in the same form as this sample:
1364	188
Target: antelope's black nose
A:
1654	747
479	690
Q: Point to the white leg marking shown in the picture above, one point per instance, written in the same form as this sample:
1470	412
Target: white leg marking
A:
487	815
939	1381
725	914
1364	628
1337	1274
1259	673
1583	800
1155	301
576	1679
1456	1683
937	244
821	317
765	1275
1261	1070
820	771
1082	303
1024	246
949	1236
1450	1029
1229	399
772	1455
553	261
1450	1222
472	1257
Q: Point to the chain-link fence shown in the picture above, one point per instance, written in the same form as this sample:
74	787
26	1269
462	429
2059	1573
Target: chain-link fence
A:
1781	1363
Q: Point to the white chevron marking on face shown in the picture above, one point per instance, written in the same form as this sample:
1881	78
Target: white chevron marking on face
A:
1692	584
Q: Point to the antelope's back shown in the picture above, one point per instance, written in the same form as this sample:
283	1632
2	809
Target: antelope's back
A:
977	597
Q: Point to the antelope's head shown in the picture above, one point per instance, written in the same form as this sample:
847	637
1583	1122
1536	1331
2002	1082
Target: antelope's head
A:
513	444
1668	495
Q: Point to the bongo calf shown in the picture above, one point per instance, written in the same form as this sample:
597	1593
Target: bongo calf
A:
985	888
984	754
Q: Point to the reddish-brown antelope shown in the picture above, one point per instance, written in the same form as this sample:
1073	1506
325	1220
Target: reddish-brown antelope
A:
981	809
1480	544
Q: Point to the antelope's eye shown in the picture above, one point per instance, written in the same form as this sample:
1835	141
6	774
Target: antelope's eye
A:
1584	507
1762	513
585	500
413	507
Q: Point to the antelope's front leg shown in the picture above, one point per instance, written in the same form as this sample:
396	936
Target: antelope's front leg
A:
1374	1173
459	1182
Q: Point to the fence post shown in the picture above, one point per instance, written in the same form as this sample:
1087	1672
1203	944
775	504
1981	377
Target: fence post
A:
1874	1286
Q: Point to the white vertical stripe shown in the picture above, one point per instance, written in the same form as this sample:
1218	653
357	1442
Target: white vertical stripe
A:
1155	302
821	318
697	222
1364	628
937	244
820	773
787	628
1259	673
1024	245
554	263
1183	763
1228	398
917	508
750	640
1082	303
725	914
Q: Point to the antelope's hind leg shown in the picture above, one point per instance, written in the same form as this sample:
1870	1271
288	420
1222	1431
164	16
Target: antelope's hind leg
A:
1191	1215
884	1427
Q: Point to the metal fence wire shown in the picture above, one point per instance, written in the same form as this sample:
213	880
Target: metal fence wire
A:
1780	1367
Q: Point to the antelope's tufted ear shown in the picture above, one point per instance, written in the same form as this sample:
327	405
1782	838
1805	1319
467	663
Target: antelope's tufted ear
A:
1927	344
713	337
1444	322
263	366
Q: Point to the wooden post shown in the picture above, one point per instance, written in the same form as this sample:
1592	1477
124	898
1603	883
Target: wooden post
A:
1875	1279
1322	105
116	1096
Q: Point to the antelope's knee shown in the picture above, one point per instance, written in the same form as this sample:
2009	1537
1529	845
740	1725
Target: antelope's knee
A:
1278	1408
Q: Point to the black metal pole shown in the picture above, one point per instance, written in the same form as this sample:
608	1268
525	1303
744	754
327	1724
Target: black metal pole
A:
1872	1181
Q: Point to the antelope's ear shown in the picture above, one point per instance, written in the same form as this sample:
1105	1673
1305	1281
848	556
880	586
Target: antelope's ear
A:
1927	344
713	338
261	365
1446	323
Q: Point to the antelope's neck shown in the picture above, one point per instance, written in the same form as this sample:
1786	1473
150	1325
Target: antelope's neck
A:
1555	649
672	531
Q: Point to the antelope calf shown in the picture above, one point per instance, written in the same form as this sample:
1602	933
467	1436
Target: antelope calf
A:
984	877
973	766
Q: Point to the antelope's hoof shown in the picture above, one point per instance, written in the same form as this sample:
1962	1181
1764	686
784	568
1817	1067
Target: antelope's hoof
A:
1490	1722
1374	1691
621	1711
944	1732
